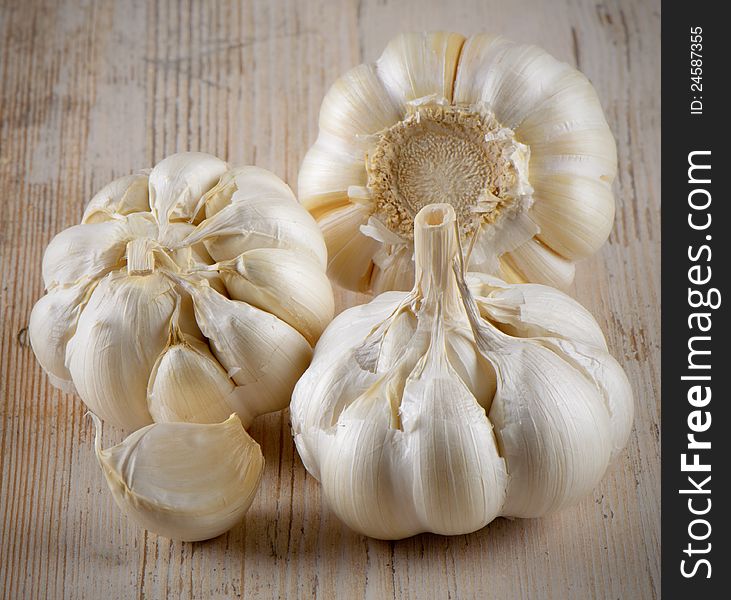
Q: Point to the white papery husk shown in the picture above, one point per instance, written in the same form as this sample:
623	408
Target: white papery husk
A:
441	408
561	156
185	481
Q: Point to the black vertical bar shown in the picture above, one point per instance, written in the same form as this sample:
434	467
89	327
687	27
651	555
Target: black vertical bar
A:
695	273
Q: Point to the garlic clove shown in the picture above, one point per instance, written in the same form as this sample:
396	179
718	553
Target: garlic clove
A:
350	252
282	282
119	336
394	270
192	258
534	261
459	479
512	79
551	421
269	221
241	185
575	214
587	153
532	310
185	481
178	182
473	369
416	65
51	325
92	250
329	168
261	353
552	427
329	384
472	77
610	379
357	105
569	133
366	487
122	196
188	384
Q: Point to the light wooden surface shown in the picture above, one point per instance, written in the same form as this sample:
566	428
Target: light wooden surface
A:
93	90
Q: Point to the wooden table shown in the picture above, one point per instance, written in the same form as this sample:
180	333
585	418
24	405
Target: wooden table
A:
93	90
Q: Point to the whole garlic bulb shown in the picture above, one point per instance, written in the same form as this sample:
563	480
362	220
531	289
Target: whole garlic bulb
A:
187	293
515	140
185	481
441	408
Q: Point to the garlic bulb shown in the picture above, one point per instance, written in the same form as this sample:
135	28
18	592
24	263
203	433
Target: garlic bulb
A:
441	408
185	481
188	292
513	139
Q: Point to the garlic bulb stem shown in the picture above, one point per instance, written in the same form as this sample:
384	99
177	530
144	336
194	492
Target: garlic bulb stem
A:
440	272
140	256
435	246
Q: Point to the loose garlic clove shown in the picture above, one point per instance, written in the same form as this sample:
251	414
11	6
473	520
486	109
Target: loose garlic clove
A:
184	481
441	408
512	138
290	286
122	196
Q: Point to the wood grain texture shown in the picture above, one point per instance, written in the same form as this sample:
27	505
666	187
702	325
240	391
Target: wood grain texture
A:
90	90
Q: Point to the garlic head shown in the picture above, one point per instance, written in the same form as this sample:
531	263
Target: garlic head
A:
442	408
137	295
515	140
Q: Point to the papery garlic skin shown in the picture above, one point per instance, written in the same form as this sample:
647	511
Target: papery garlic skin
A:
184	481
514	139
442	408
129	313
